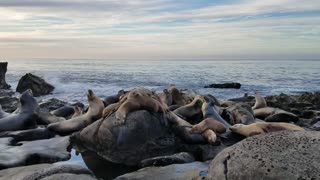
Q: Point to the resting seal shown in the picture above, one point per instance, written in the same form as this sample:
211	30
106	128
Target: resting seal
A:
240	113
191	111
166	97
113	99
208	123
24	119
176	96
77	112
270	114
262	127
260	102
75	124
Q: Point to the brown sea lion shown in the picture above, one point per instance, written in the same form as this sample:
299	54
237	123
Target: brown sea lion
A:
262	127
94	113
77	112
166	97
241	113
114	99
208	123
176	96
260	102
270	114
110	109
191	111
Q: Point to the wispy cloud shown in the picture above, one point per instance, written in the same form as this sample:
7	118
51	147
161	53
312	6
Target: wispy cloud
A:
158	28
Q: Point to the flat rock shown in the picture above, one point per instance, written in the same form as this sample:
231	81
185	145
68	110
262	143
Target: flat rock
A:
174	171
47	171
33	152
279	155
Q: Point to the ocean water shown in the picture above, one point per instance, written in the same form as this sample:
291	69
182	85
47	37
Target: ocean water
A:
72	78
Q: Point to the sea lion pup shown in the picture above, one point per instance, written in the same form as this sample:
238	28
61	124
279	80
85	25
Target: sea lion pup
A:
114	99
24	119
262	127
270	114
75	124
176	95
260	102
208	123
138	99
166	97
77	112
3	114
191	111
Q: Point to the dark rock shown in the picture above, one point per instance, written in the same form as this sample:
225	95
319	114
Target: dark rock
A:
46	171
38	86
143	136
9	104
278	155
225	86
3	71
34	152
28	135
174	171
6	92
316	126
179	158
51	104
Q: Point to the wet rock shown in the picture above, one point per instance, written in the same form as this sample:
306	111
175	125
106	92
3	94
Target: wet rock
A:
6	92
225	86
3	71
28	135
174	171
144	135
34	152
179	158
47	171
279	155
9	104
38	86
51	104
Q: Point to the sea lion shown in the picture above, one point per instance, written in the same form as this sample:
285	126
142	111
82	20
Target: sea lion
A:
208	123
192	111
107	111
75	124
262	127
24	119
166	97
176	95
138	99
45	118
240	99
77	112
240	113
270	114
65	111
227	103
3	114
260	102
114	99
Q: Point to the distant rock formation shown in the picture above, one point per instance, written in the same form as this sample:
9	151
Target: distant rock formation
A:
3	71
224	86
38	86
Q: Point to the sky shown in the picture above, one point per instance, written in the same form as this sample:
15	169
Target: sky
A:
160	29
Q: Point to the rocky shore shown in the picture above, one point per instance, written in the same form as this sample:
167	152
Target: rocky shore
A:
175	134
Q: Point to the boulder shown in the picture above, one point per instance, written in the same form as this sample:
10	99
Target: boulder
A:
144	135
225	86
33	152
3	71
179	158
174	171
38	86
278	155
46	172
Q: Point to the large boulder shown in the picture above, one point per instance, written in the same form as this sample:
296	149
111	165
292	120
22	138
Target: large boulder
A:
38	86
174	171
46	172
279	155
144	135
3	71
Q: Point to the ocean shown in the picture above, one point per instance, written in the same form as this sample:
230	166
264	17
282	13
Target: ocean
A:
72	78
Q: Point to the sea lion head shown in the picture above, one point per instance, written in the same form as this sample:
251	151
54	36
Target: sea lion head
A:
90	95
28	102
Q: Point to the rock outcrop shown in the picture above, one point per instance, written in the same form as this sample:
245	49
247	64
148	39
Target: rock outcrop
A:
38	86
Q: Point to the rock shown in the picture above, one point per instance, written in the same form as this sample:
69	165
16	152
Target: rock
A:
28	135
316	126
174	171
3	71
143	136
225	86
179	158
46	172
279	155
38	86
6	92
8	103
51	104
33	152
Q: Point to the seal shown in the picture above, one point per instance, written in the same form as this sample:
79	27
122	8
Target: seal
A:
77	112
94	113
270	114
191	111
240	113
260	102
45	118
139	99
3	114
263	127
24	118
208	123
65	111
176	96
114	99
166	97
107	111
